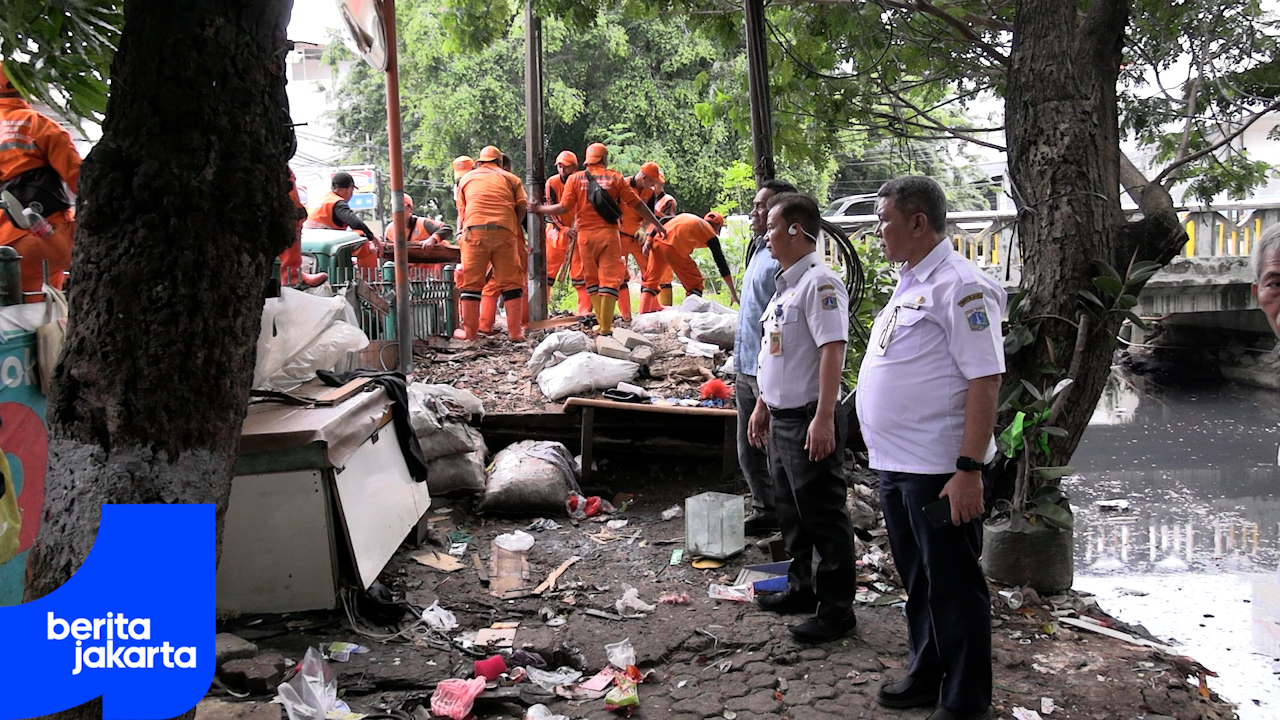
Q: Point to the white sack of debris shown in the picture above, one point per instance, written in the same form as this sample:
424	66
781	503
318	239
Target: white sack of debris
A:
583	373
699	304
657	322
531	477
555	347
302	334
457	474
716	328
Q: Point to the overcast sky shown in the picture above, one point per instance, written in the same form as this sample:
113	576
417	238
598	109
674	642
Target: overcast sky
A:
312	19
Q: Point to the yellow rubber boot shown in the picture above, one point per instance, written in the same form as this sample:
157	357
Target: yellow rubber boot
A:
624	302
605	313
664	296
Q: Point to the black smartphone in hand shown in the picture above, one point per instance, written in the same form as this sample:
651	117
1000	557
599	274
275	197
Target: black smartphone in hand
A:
938	513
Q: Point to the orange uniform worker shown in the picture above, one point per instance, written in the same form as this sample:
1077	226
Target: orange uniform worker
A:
332	212
291	274
561	235
645	184
687	232
598	236
491	209
36	158
423	231
490	295
664	206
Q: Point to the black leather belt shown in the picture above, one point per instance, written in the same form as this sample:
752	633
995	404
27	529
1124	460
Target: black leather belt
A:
800	413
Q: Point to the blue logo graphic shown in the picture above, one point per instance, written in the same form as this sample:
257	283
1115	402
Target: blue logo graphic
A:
363	201
134	625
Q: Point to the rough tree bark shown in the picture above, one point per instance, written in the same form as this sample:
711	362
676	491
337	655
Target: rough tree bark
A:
1064	160
183	206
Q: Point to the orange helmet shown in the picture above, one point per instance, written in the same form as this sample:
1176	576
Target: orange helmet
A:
715	219
566	157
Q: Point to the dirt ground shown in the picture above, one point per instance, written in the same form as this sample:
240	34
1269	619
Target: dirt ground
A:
710	658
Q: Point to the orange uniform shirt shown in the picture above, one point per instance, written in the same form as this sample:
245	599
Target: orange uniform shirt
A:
631	220
320	215
489	195
687	232
29	140
555	193
575	196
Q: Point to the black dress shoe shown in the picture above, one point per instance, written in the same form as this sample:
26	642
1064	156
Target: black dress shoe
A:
758	523
908	692
820	628
944	714
788	602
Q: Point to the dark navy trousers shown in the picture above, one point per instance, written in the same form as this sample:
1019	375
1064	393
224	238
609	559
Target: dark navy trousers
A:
948	605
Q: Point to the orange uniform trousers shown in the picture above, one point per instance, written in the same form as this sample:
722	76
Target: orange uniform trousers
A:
55	247
602	268
672	260
484	246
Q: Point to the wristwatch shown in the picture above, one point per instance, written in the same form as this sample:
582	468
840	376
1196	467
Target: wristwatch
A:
967	464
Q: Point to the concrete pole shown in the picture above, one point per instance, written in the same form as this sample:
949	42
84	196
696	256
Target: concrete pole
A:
758	92
535	162
404	327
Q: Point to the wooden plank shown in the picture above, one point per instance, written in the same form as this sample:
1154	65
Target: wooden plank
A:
1109	632
550	582
336	395
577	402
554	322
369	295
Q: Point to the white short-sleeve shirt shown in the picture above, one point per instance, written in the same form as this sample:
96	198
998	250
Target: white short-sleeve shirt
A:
809	309
940	330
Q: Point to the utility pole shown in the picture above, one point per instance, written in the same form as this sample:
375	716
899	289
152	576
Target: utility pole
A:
535	161
404	327
758	92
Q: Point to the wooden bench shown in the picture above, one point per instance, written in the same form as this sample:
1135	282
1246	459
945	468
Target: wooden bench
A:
589	408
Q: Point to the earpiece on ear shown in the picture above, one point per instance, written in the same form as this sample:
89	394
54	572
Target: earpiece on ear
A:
791	230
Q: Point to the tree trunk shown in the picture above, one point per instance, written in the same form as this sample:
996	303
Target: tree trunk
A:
183	206
1064	161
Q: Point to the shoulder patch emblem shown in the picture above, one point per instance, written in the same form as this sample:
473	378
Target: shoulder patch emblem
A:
977	317
829	302
826	288
969	298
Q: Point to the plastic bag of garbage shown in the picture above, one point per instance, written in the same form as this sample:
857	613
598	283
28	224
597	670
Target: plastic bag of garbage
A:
699	349
456	403
630	604
530	477
313	692
657	322
301	334
549	679
717	329
453	698
542	712
562	343
456	474
699	304
585	372
437	618
621	654
518	541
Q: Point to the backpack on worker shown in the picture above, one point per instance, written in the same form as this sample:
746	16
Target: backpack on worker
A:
39	189
601	202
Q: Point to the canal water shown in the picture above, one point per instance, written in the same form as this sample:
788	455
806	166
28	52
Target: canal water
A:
1177	507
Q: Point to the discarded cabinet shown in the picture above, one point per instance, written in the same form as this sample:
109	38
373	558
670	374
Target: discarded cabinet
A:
320	500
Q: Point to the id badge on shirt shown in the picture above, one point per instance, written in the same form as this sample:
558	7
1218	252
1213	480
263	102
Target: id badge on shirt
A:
775	331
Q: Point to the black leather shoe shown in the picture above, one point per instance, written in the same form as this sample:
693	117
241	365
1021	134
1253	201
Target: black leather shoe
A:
788	602
944	714
758	523
908	692
820	629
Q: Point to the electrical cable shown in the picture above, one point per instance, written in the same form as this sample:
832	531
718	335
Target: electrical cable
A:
855	277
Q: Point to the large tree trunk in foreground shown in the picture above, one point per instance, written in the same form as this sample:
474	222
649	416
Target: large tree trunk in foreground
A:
183	206
1064	160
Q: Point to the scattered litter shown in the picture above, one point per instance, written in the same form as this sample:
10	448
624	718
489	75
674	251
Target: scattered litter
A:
528	477
599	681
601	614
509	565
543	524
1013	598
342	651
703	563
621	654
542	712
458	549
550	582
453	698
630	605
1046	706
490	668
1130	591
459	536
673	512
677	555
734	593
616	524
313	692
498	635
1112	505
623	696
681	598
580	507
437	561
769	577
1021	713
548	679
527	658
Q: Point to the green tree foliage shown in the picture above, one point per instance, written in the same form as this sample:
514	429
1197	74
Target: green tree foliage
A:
63	50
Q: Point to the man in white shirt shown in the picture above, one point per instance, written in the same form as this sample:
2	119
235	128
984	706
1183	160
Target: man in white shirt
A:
927	395
806	329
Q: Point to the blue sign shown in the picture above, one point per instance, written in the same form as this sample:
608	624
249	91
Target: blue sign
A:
135	625
363	201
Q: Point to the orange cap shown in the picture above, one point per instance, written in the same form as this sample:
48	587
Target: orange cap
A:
716	220
489	153
462	165
650	169
566	157
597	153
